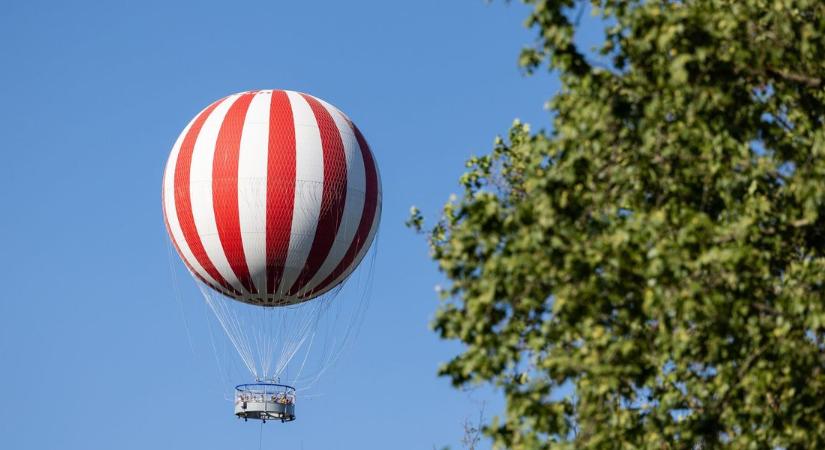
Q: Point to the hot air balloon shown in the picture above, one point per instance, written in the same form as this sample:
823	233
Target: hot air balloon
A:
271	198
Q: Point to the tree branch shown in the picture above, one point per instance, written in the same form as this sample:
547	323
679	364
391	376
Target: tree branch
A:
796	77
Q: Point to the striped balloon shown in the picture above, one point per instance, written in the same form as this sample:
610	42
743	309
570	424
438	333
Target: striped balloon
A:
271	197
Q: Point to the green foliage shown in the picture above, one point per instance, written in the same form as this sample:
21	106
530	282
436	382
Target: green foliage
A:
662	250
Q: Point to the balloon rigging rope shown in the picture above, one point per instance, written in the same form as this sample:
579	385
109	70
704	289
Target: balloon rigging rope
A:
306	355
222	377
331	352
231	326
178	296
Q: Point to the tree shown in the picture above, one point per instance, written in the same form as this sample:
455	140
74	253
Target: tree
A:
649	273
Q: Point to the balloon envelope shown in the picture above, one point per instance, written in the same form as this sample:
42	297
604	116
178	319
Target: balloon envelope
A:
271	197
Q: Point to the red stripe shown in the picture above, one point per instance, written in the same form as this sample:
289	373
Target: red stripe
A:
334	193
183	202
367	215
177	248
225	188
280	187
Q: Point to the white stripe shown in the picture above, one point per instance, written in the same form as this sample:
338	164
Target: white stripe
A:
200	187
353	204
171	212
252	186
309	185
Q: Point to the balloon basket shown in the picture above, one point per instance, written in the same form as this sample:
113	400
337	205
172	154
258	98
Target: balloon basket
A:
265	401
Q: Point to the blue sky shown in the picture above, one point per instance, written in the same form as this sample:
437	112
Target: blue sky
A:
96	350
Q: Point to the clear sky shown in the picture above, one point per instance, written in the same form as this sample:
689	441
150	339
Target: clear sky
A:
96	350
